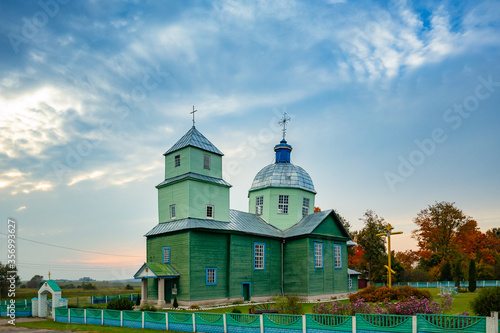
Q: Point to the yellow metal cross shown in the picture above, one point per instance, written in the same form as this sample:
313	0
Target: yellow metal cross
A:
49	275
388	235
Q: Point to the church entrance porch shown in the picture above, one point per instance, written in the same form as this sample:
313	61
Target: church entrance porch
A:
158	282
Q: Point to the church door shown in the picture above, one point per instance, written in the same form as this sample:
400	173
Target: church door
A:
246	291
168	290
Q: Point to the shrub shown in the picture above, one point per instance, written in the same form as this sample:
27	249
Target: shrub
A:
88	286
175	304
129	287
121	304
486	301
194	307
381	294
236	310
340	309
288	305
148	307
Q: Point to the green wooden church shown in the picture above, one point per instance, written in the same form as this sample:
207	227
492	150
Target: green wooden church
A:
206	253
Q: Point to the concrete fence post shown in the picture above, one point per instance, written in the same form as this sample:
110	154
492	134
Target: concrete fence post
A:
414	324
194	322
69	316
84	316
492	323
106	299
121	318
262	323
142	319
102	317
304	327
225	322
353	324
166	319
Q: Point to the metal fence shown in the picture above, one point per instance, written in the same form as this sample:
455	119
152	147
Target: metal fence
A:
439	284
277	323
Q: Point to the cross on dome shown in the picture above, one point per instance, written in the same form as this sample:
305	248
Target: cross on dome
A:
283	121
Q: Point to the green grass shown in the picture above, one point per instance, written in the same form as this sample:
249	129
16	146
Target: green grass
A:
48	324
461	301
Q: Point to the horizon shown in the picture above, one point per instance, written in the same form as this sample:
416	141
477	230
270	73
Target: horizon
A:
393	107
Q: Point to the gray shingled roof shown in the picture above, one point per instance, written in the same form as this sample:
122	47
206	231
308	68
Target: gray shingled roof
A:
195	139
308	224
352	272
193	175
283	175
239	221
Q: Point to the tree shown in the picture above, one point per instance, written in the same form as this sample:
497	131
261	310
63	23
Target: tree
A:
345	223
408	259
373	245
35	282
472	275
437	228
8	275
446	272
457	272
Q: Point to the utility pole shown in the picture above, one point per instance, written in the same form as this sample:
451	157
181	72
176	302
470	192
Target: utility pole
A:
388	235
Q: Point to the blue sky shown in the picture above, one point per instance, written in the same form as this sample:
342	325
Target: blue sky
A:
394	107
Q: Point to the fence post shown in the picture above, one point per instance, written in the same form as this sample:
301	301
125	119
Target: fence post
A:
121	318
69	316
194	323
262	323
304	328
414	324
492	323
142	319
166	320
84	316
102	317
106	299
353	324
225	323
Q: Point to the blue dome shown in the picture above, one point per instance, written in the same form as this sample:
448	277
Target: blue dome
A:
283	175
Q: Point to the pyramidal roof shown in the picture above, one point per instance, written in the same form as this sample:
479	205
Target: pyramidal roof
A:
194	138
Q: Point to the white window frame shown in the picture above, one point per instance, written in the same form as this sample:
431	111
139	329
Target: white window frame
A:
206	162
318	255
212	210
177	161
259	205
337	256
173	211
283	200
259	256
166	260
305	208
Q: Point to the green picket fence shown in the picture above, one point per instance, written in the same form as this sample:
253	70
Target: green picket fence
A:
273	323
441	323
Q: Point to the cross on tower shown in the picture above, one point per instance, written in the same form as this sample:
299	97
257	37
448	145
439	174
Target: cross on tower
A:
283	121
49	275
193	114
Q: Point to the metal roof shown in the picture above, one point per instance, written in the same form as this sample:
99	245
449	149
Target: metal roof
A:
283	175
239	221
194	138
159	269
352	272
53	285
197	176
307	224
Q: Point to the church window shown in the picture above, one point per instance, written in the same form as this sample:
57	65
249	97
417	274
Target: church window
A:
259	255
338	256
318	255
211	276
166	254
283	204
177	160
206	162
172	211
210	212
305	207
259	205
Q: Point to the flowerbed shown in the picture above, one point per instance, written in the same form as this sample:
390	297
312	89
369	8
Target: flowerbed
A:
384	294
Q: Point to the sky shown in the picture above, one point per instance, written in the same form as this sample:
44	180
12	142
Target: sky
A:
394	106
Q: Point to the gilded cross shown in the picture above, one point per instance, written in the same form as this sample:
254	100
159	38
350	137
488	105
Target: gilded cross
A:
49	275
388	234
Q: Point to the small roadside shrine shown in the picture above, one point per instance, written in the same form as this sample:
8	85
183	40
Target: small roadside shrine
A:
40	304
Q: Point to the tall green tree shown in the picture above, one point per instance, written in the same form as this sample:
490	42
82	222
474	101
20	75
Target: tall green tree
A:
458	274
446	272
7	275
472	275
35	282
373	246
437	227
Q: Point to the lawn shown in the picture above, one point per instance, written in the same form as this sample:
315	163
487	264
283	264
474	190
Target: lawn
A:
461	301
